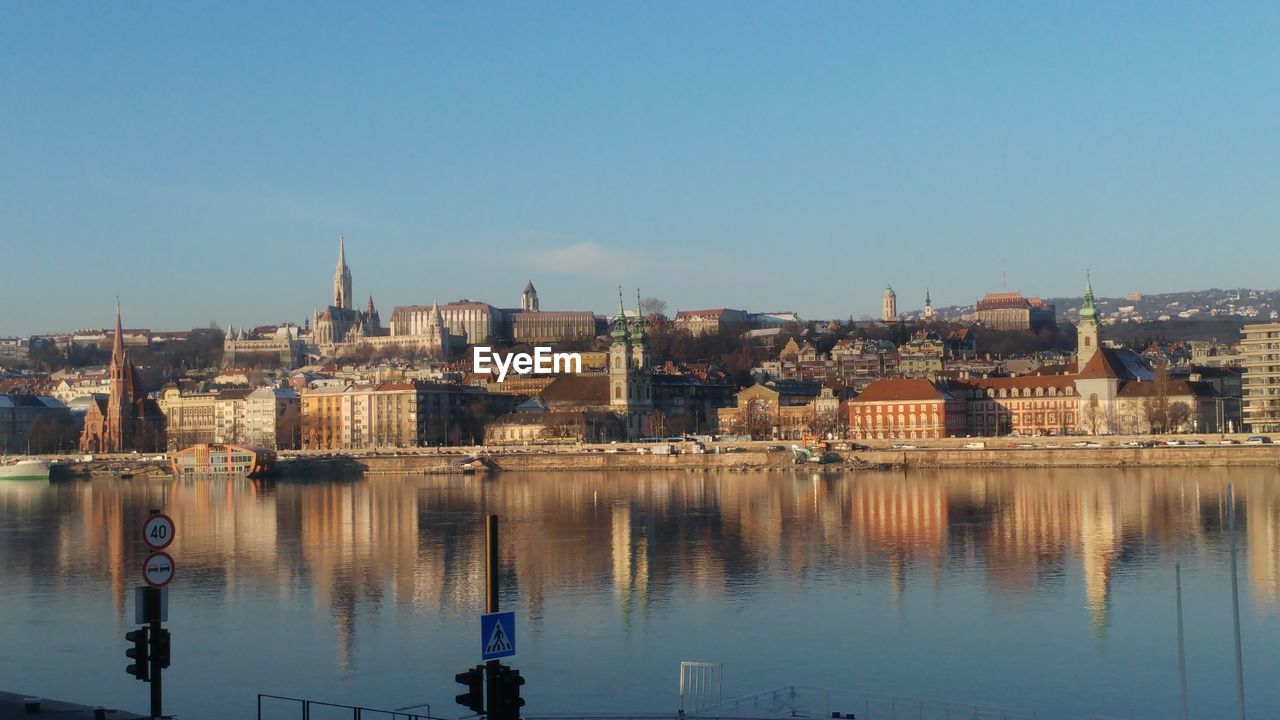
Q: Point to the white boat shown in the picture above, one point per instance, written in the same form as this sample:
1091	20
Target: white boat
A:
25	470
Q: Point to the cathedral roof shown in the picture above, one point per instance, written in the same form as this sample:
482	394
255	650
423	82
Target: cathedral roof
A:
529	287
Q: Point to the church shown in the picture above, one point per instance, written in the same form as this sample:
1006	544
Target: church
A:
126	419
341	330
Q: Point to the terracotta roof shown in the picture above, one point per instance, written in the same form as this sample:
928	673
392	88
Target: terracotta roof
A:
901	389
1000	301
1101	365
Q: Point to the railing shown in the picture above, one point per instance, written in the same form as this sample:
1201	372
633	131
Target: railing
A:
316	710
795	701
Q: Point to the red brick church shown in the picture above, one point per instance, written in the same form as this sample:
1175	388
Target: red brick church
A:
126	419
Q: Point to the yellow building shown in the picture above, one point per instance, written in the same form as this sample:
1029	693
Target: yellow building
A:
1261	384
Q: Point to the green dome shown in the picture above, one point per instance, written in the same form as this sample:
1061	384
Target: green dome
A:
888	291
638	331
619	331
1088	313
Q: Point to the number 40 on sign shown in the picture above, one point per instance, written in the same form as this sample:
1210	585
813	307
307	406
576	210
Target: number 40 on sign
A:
158	532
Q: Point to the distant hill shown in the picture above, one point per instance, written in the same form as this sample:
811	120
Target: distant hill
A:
1228	308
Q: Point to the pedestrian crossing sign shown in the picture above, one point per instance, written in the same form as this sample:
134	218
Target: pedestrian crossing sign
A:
497	635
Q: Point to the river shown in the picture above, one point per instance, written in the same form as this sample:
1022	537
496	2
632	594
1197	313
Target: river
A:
1051	590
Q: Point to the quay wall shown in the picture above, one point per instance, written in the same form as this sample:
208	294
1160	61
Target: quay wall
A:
1235	456
752	456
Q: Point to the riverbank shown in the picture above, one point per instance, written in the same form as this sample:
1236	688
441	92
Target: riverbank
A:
948	453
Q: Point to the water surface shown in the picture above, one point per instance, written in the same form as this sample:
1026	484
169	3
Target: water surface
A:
1050	589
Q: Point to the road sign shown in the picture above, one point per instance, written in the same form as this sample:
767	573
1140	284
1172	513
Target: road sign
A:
158	531
497	635
158	569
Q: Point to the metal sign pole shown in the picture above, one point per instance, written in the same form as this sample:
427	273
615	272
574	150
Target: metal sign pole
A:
493	702
157	696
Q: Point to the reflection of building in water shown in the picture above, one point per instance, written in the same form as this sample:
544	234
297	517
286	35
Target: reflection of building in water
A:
1098	547
630	562
906	521
1262	538
350	548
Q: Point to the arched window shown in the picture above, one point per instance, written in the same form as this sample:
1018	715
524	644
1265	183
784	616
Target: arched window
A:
1086	341
617	392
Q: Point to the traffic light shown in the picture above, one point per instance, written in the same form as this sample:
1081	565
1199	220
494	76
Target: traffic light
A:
141	668
160	648
506	701
473	698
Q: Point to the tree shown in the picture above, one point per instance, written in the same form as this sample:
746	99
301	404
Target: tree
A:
757	421
824	423
1092	415
653	307
1177	416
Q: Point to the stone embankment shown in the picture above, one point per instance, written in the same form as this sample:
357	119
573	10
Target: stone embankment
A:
950	453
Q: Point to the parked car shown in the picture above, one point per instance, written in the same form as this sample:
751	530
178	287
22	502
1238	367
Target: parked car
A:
1195	442
1131	444
1228	441
1258	440
900	446
774	448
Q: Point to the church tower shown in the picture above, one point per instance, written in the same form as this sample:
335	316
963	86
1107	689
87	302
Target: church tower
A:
120	403
529	298
928	307
1087	328
371	318
630	373
642	373
342	278
620	360
889	305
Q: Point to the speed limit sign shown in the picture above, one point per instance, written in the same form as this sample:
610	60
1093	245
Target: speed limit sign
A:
158	532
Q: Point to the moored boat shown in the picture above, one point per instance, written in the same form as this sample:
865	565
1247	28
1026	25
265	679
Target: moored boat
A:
29	469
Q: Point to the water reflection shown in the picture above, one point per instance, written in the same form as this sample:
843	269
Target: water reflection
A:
638	543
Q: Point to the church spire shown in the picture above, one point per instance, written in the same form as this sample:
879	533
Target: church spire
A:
638	333
619	331
117	343
1088	313
342	277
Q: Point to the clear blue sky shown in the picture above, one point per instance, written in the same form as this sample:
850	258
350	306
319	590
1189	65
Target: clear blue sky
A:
201	159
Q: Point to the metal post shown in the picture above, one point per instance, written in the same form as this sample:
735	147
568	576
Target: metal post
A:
491	606
157	697
1235	600
1182	651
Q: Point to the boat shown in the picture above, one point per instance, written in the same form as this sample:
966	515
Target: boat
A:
25	470
220	459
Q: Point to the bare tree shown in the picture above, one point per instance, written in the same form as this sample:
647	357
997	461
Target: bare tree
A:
1177	416
653	307
757	420
1092	415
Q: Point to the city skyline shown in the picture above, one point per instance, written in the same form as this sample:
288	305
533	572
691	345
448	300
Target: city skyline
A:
201	164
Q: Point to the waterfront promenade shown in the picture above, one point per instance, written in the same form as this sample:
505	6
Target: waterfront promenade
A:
15	705
1004	452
